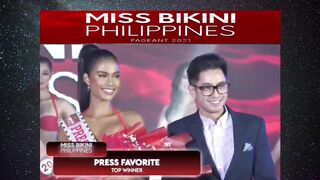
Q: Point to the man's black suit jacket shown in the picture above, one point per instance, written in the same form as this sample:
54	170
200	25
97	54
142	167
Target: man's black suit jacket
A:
244	165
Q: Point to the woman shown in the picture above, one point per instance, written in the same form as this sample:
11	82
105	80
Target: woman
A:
51	107
99	82
51	110
182	104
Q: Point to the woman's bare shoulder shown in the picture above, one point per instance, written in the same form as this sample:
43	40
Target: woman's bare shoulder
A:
131	117
65	106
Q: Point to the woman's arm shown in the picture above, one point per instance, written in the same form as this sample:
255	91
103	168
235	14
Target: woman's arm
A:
62	135
66	109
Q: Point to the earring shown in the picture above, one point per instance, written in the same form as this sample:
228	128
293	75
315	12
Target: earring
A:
88	88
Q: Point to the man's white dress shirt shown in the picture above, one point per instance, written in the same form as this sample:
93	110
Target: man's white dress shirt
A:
219	138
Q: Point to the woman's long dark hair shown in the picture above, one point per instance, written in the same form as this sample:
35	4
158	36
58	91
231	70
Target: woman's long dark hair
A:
88	57
176	94
46	61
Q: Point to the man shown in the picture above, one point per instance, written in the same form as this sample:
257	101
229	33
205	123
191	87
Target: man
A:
234	144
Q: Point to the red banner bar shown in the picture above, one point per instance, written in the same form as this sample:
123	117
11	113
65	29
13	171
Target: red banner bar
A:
133	163
171	27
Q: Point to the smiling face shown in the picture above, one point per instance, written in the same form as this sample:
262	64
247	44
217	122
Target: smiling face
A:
213	105
103	79
45	75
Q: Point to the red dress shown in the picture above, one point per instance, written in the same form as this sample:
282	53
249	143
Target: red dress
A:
137	138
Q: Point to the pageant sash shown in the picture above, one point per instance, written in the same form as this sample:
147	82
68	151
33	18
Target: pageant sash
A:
76	128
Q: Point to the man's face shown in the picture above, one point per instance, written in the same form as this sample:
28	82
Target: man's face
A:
210	105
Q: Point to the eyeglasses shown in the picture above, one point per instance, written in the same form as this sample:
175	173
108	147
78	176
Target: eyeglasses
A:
222	88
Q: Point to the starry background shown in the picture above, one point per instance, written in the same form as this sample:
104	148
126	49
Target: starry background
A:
300	91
